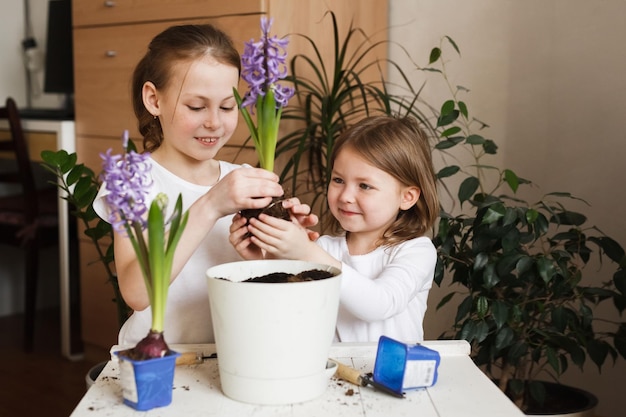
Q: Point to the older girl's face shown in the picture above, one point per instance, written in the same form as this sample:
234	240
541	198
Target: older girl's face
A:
198	111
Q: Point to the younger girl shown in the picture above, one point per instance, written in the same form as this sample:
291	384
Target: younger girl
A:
383	199
183	99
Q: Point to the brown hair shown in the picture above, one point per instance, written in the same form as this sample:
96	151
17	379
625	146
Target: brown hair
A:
176	43
400	148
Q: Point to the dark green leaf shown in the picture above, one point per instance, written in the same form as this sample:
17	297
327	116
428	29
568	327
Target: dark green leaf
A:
490	278
448	171
500	313
435	54
447	108
481	331
490	147
559	318
524	264
511	179
482	306
546	269
475	140
445	120
597	350
493	214
504	337
463	109
451	131
468	188
454	45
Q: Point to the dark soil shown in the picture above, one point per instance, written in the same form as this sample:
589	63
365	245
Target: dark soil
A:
282	277
275	209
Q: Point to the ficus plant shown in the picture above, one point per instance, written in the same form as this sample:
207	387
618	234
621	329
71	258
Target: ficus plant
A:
520	271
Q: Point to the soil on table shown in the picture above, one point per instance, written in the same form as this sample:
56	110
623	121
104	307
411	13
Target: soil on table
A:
282	277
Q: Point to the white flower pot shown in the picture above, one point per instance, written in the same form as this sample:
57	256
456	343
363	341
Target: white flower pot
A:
272	339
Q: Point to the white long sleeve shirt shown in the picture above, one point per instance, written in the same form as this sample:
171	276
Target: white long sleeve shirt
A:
385	291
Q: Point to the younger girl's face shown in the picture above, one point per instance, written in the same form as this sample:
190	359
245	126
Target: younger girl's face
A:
363	198
198	111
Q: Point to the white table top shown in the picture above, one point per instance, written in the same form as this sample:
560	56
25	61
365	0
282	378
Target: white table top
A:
461	390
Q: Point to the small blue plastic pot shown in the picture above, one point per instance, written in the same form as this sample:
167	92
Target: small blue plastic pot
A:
149	383
401	367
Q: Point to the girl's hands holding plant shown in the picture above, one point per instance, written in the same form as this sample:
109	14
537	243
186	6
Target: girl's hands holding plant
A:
240	235
245	188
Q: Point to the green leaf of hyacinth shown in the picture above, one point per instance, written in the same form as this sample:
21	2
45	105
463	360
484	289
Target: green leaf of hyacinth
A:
246	117
156	250
267	130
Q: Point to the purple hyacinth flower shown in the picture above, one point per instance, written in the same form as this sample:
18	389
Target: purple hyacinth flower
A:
263	66
127	179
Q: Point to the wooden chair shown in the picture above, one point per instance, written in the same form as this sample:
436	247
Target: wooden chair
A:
28	219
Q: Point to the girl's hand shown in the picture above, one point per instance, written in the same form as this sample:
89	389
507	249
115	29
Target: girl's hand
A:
280	238
303	215
240	239
243	188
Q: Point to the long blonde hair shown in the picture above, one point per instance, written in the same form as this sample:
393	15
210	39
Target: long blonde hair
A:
399	147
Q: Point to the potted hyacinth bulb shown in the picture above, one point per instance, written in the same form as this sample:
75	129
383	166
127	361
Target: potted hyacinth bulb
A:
264	65
127	180
292	304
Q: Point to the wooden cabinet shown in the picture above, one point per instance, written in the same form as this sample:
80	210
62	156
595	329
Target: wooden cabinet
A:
110	36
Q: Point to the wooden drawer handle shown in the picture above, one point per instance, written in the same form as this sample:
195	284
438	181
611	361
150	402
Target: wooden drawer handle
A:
109	3
110	54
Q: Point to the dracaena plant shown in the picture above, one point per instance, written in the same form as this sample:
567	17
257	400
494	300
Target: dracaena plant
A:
263	67
330	95
154	239
520	271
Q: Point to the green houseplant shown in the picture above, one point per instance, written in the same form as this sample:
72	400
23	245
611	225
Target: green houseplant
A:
516	268
520	269
80	185
329	97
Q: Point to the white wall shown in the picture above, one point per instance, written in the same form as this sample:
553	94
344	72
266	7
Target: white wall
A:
548	76
12	72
